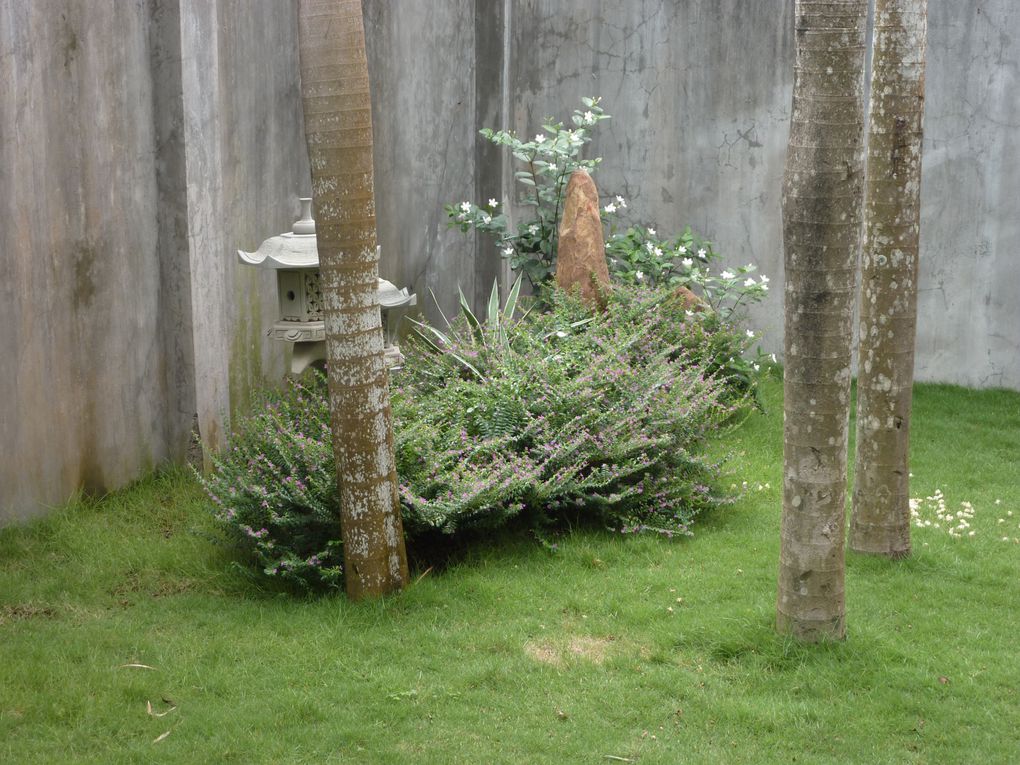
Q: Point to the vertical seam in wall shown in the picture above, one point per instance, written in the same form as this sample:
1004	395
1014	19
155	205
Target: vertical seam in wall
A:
506	171
174	308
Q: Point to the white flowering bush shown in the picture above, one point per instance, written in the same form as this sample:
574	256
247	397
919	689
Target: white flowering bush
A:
546	162
636	255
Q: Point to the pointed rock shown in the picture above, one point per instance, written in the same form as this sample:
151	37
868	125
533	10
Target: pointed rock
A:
581	252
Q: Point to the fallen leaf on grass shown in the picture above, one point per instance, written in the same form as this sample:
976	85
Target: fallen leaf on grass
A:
161	736
136	666
153	713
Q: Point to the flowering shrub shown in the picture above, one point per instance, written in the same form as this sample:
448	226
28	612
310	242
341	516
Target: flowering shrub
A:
499	418
560	411
635	255
547	162
275	487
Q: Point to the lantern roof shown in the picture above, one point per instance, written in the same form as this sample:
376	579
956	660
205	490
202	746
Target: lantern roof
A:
296	250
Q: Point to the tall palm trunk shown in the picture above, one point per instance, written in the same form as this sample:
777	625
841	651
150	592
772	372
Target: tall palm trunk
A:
821	233
880	523
338	129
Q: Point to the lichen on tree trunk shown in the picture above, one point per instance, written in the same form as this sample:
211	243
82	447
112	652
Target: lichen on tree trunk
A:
822	192
880	522
338	129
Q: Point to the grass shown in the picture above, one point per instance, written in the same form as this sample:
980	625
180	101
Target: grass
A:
611	650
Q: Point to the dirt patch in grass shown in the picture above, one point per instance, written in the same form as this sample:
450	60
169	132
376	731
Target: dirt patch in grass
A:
153	585
558	653
22	611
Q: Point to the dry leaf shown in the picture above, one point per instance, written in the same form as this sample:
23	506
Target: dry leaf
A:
136	666
161	736
153	713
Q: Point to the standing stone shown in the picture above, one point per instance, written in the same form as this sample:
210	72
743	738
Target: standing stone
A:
581	253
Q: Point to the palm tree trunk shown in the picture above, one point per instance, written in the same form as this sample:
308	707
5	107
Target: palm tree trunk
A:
338	129
821	233
880	523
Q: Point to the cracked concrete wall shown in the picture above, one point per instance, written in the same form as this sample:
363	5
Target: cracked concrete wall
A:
126	183
700	95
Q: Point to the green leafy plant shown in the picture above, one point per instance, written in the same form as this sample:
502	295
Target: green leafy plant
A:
274	488
535	417
546	162
636	255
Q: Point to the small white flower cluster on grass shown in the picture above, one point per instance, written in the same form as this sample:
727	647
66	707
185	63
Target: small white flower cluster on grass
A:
940	517
746	487
1008	522
932	512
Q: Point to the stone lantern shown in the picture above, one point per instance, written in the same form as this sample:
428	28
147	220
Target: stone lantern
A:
295	258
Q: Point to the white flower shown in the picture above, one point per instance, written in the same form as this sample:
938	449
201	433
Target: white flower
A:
689	312
750	334
621	201
465	206
540	138
650	246
610	208
764	279
651	232
757	367
686	262
773	357
589	118
552	167
749	283
682	249
486	218
764	288
508	251
724	274
640	275
493	203
658	252
702	252
533	229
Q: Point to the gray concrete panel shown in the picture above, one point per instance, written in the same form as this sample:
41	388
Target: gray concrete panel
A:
140	144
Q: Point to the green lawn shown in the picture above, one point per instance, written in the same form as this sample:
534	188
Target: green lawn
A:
611	650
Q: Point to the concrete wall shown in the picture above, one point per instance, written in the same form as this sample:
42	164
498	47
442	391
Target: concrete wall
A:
700	94
437	78
141	143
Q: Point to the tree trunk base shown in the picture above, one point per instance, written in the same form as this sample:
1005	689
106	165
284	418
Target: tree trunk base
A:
812	630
